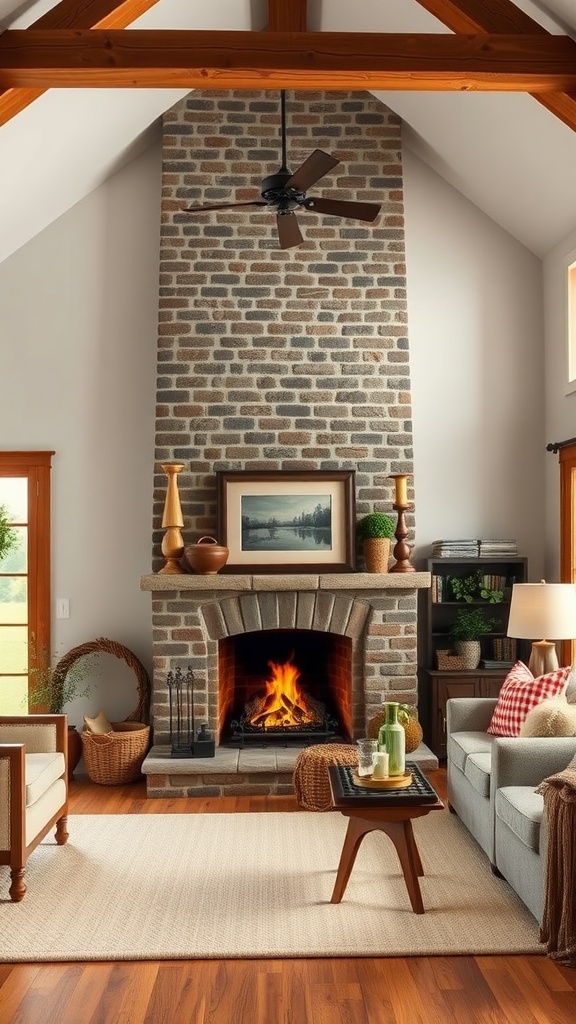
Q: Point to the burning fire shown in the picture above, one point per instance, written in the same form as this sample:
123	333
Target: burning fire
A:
284	703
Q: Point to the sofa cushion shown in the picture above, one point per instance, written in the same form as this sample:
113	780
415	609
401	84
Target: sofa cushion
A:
41	771
477	771
553	716
520	808
462	744
520	693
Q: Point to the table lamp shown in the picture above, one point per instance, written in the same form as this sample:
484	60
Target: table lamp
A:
546	610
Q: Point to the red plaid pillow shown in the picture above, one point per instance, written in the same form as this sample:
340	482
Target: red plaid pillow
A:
520	693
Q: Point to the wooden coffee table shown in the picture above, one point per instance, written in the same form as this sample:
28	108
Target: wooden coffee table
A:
389	811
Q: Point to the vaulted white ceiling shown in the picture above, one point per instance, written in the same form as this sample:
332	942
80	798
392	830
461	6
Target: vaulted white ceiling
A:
504	151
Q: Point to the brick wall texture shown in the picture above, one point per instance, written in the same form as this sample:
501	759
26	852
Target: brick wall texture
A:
271	359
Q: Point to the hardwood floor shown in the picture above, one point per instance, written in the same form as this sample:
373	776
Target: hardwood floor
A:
415	990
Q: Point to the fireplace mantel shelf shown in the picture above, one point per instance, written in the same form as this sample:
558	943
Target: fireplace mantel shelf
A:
302	581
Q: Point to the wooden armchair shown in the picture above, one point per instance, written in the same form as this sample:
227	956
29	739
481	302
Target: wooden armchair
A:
33	788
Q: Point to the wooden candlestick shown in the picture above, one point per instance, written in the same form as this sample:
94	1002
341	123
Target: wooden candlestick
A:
172	521
401	548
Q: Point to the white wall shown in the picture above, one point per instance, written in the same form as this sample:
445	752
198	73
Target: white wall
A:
560	403
79	320
476	355
79	325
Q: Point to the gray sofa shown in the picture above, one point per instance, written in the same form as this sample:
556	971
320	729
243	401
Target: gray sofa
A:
491	783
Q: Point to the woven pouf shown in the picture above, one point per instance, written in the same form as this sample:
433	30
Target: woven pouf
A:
311	781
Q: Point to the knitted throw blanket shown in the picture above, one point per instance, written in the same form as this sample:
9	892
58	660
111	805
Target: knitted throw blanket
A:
558	929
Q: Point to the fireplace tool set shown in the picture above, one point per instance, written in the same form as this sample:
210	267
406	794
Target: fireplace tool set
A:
184	740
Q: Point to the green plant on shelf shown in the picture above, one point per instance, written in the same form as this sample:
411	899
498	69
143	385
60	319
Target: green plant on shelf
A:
471	624
474	588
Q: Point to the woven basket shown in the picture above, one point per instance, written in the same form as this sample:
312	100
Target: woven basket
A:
115	757
450	662
311	780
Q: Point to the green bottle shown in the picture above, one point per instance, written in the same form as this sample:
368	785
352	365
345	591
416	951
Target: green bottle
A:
392	739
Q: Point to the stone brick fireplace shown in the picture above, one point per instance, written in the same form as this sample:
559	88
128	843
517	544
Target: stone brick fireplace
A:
194	618
279	360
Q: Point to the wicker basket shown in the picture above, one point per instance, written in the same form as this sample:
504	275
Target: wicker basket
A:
115	757
450	662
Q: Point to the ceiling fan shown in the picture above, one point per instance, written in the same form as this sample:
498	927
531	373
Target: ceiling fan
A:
286	193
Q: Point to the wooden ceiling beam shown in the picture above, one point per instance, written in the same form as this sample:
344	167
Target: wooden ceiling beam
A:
328	60
501	16
73	14
482	16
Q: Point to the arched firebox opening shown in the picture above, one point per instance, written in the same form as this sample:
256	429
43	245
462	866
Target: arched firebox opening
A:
284	685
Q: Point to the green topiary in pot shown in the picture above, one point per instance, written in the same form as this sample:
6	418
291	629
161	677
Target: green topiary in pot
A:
375	524
469	625
375	531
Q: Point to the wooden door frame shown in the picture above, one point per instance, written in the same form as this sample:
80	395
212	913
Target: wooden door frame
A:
36	467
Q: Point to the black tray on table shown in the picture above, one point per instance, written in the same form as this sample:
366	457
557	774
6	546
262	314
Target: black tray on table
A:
346	791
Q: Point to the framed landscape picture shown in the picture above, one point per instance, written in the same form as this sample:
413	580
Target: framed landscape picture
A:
284	522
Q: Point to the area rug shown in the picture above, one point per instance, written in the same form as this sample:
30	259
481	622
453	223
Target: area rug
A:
177	886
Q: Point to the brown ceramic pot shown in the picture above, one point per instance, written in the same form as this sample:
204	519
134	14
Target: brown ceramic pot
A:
74	750
206	556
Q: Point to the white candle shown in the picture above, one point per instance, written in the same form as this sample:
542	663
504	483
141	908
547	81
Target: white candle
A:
380	765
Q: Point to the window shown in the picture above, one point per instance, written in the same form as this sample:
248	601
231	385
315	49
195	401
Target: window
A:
24	574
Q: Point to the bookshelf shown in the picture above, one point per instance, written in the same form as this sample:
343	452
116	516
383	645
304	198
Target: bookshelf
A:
486	583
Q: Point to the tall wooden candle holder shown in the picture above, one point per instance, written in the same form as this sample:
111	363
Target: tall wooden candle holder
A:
401	548
172	521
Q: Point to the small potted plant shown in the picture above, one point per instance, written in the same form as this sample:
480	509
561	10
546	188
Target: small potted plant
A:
375	531
54	687
468	627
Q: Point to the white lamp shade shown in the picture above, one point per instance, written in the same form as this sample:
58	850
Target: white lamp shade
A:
543	610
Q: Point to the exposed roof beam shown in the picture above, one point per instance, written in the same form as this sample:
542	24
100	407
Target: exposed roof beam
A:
74	14
329	60
482	16
500	16
287	15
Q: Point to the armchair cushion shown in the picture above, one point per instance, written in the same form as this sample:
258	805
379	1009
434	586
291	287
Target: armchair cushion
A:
41	771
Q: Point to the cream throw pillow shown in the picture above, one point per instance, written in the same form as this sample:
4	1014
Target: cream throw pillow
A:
571	688
100	724
552	717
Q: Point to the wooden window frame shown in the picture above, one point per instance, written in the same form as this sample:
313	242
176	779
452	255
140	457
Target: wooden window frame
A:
36	467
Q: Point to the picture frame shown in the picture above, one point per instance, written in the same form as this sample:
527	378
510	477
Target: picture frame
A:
276	521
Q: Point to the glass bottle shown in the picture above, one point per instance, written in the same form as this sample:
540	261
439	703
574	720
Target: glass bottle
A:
392	739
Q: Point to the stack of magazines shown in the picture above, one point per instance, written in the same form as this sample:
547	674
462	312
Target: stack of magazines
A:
454	549
497	548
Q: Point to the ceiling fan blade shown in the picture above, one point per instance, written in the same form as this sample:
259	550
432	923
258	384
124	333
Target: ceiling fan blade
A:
223	206
342	208
314	167
288	230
